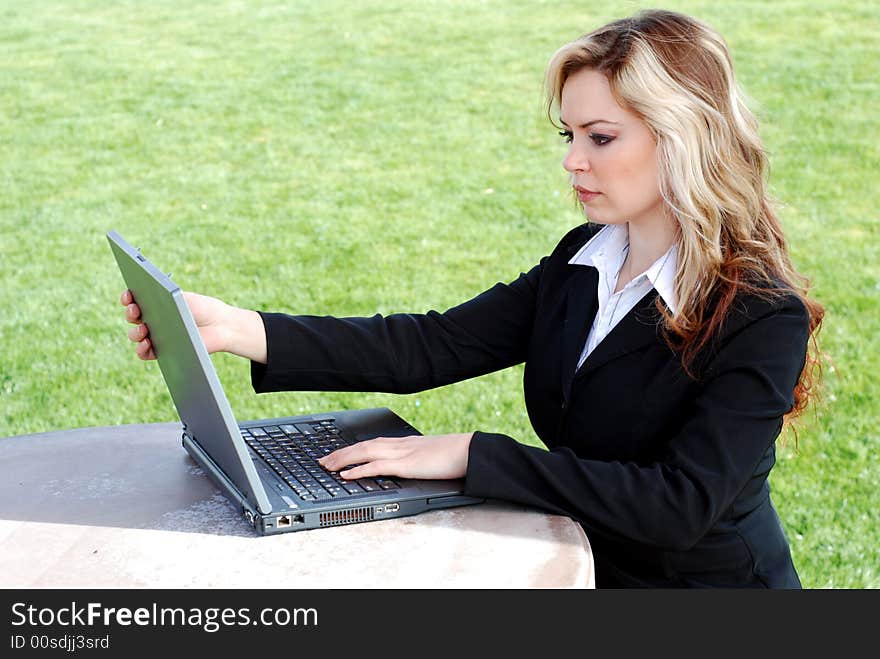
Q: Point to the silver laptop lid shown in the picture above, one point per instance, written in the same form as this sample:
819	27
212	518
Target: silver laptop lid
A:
188	371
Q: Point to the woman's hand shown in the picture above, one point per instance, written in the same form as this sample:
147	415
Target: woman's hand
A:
221	326
434	457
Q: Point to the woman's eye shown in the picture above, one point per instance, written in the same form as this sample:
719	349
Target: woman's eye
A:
600	140
567	135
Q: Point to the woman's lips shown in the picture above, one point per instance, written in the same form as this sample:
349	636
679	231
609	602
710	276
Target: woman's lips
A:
585	195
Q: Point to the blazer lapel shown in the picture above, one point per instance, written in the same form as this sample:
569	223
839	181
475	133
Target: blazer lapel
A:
582	303
638	328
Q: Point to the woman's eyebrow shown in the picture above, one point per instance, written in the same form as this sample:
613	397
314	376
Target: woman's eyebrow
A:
590	123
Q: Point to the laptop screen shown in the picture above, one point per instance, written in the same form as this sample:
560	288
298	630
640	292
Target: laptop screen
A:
188	371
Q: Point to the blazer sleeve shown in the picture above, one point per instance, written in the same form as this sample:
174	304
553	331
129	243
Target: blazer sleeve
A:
671	503
400	353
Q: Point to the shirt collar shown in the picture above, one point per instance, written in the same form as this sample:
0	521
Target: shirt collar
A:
607	244
606	247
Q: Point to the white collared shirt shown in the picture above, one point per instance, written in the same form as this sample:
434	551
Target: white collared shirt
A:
606	251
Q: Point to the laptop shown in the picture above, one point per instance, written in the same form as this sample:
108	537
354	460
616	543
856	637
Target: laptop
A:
268	468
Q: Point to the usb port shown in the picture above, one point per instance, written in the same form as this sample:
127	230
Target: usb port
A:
392	507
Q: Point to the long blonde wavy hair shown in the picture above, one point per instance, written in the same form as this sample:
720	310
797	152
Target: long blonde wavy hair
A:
676	74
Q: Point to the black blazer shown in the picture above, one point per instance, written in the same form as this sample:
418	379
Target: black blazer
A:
667	474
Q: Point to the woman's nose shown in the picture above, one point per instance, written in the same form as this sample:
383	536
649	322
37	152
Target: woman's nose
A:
576	159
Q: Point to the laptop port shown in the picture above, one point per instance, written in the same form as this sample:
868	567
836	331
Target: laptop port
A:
289	520
392	507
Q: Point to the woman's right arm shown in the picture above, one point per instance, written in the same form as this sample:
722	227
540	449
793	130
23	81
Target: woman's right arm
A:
400	353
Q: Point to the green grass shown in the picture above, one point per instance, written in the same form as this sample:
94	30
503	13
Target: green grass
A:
353	158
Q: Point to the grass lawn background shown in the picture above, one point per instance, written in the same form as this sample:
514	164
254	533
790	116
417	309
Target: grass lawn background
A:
354	158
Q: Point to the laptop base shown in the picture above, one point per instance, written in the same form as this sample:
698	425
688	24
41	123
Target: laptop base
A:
290	513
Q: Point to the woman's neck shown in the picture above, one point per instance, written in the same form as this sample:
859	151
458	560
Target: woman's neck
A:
648	241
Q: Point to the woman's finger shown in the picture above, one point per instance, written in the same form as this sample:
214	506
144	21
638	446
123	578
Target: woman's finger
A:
138	333
133	313
145	350
362	452
375	468
349	455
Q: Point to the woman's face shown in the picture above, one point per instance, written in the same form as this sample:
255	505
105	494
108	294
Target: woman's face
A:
613	157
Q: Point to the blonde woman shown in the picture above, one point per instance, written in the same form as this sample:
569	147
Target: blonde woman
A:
666	341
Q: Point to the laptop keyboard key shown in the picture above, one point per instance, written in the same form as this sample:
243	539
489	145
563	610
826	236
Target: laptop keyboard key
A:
351	487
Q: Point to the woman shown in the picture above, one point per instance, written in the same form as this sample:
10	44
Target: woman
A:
665	341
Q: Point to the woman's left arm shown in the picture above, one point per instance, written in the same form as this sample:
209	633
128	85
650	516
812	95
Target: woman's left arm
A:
671	503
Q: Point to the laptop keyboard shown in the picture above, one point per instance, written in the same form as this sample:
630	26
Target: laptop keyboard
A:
292	451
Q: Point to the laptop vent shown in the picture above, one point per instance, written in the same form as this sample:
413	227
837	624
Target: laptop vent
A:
351	516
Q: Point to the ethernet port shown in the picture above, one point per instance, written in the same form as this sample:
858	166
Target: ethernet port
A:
283	521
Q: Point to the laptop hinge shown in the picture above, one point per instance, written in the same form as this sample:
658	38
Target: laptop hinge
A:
219	478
